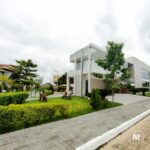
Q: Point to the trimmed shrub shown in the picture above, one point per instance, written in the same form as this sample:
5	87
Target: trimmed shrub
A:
15	117
63	111
96	99
136	90
143	90
13	98
104	93
0	88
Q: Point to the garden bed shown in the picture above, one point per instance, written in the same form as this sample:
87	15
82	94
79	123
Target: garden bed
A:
35	112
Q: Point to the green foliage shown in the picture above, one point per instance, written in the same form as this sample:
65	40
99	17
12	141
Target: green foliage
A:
63	111
113	63
4	85
24	73
13	98
47	87
143	90
104	93
62	80
15	117
96	99
5	81
147	94
136	90
48	92
0	88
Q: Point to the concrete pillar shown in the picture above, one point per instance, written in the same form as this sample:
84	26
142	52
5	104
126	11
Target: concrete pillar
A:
75	76
68	84
89	71
82	73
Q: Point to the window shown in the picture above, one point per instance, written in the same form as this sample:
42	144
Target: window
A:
145	84
145	74
78	65
85	64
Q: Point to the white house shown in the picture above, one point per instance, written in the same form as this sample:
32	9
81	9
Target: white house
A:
82	80
140	72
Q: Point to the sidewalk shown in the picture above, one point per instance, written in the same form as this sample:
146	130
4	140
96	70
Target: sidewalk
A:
71	133
125	141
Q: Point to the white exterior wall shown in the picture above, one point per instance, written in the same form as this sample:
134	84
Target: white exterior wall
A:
88	55
138	66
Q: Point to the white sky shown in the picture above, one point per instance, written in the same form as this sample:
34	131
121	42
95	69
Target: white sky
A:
48	31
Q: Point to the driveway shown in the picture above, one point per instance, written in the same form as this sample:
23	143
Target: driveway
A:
71	133
128	98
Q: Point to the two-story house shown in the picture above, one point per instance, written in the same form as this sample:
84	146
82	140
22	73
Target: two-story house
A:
81	79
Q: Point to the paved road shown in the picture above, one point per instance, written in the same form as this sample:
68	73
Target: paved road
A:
71	133
128	98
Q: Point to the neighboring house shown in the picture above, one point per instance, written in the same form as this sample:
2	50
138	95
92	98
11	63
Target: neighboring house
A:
6	69
81	79
139	72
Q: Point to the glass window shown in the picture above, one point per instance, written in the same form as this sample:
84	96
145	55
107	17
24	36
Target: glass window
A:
145	74
78	65
85	64
145	84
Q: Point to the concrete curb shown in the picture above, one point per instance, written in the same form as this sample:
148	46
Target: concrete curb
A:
104	138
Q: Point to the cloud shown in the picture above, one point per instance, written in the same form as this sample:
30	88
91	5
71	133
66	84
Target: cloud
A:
48	31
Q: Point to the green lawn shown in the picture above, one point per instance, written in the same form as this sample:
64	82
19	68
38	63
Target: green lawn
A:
77	106
19	116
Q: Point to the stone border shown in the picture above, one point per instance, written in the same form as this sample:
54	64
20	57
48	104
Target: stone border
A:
107	136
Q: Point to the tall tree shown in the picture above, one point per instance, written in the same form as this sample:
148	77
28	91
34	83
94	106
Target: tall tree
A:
24	73
62	79
114	65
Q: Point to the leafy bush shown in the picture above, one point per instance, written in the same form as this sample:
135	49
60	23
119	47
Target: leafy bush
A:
147	94
104	93
48	92
0	88
88	94
136	90
15	117
47	87
143	90
96	99
13	98
63	111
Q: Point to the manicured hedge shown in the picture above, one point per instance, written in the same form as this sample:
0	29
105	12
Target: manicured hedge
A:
15	117
13	98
